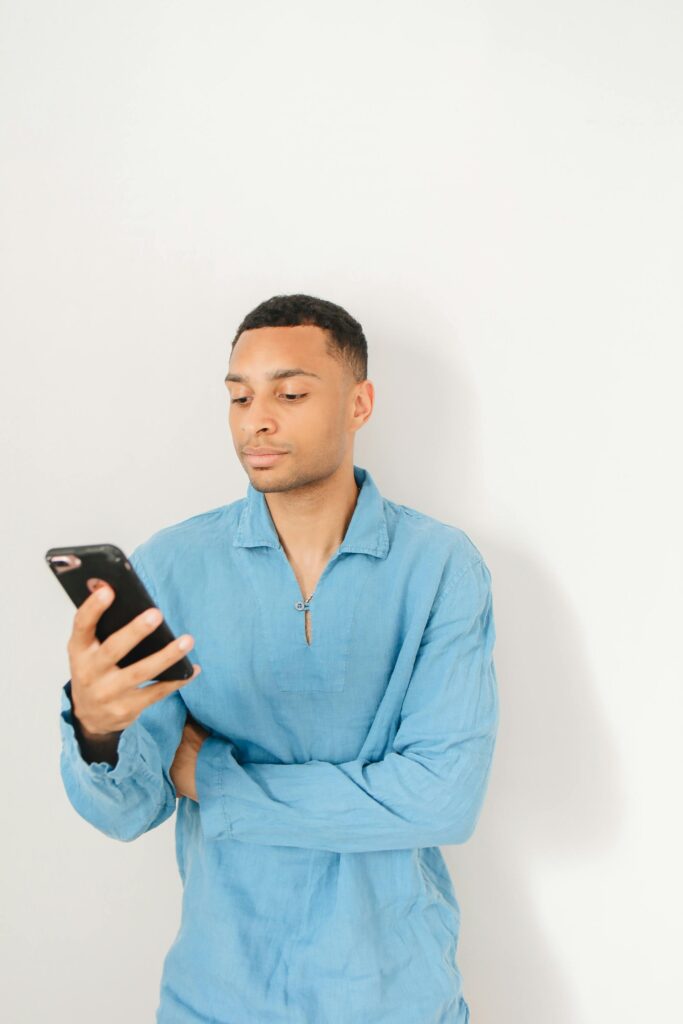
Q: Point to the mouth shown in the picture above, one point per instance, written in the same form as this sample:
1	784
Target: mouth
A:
264	460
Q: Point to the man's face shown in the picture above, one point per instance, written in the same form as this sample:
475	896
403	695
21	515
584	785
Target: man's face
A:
314	429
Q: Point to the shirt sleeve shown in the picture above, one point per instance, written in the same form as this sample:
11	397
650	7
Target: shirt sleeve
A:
427	791
137	793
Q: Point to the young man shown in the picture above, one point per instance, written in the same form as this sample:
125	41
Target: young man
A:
342	726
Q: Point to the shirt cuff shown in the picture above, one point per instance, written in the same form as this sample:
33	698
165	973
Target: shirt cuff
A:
131	749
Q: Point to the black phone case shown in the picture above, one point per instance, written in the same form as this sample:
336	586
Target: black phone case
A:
108	562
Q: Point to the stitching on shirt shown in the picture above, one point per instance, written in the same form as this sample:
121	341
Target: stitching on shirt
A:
454	582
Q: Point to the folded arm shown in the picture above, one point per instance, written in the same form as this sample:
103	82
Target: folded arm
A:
427	791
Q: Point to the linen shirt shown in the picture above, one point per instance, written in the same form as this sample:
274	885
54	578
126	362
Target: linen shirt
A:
314	890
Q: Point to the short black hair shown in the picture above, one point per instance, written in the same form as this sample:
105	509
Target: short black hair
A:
345	338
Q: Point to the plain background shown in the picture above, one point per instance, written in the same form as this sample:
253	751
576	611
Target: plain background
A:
494	191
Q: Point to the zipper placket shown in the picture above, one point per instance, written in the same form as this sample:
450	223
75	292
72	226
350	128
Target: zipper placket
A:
305	605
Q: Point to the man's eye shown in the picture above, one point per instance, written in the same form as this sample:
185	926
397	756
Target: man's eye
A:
244	398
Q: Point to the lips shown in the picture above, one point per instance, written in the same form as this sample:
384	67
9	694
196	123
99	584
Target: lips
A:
263	459
262	451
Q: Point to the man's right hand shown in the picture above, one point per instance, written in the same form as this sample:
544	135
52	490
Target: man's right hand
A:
106	698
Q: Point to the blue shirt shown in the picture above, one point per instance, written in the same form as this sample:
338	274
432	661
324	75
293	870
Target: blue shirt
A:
314	890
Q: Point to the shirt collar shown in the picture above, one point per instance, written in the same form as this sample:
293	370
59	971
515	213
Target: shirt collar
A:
367	533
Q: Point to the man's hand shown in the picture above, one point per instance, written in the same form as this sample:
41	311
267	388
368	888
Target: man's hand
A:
183	767
107	699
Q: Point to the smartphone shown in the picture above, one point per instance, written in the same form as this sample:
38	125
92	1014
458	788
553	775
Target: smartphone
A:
76	568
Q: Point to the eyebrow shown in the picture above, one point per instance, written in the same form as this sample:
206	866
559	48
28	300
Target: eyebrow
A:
295	371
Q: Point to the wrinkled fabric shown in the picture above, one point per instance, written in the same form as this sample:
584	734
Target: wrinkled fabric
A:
314	889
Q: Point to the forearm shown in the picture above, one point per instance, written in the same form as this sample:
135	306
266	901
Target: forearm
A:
400	802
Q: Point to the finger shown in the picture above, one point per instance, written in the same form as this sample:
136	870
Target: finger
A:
154	664
194	733
123	640
157	691
193	727
86	618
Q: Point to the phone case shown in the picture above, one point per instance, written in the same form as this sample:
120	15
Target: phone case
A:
74	566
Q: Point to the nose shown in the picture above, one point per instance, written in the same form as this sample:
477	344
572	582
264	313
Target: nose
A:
256	419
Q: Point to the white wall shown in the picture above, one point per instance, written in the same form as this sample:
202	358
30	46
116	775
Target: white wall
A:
493	190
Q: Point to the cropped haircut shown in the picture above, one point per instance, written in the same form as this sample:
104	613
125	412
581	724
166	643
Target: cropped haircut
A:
344	338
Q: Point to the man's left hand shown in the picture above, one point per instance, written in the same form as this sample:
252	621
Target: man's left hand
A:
183	768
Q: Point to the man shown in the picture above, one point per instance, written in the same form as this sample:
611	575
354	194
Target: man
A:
342	726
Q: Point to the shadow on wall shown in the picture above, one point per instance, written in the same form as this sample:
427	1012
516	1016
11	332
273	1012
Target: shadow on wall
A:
554	787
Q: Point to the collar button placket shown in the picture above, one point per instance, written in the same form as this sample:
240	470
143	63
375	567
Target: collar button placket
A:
304	606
